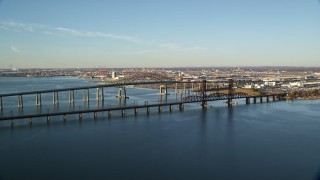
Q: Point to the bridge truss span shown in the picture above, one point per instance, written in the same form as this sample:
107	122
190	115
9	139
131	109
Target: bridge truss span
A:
214	97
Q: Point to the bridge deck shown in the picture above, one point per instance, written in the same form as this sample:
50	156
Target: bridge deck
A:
87	111
48	114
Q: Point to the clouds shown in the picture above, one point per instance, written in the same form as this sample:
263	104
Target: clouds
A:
64	31
15	49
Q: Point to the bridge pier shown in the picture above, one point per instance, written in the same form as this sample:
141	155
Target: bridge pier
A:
38	99
80	116
109	114
273	98
254	100
163	89
181	107
247	100
71	96
267	99
261	99
120	93
175	89
55	97
148	110
86	95
122	112
65	118
229	102
159	109
98	96
1	108
135	111
20	101
94	115
48	119
170	108
30	121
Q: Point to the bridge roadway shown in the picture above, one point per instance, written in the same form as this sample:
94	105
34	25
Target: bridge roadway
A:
90	87
135	107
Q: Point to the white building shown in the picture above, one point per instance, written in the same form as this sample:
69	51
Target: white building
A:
114	75
295	84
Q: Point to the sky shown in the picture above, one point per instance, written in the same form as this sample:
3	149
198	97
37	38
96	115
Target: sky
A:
159	33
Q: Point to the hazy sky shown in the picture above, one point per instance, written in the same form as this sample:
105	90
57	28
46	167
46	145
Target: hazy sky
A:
159	33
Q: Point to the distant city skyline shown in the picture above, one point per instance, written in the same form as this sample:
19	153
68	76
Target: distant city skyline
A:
159	33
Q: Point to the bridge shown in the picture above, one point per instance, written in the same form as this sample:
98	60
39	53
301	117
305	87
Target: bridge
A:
203	95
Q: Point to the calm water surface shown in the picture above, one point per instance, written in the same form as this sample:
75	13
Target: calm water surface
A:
258	141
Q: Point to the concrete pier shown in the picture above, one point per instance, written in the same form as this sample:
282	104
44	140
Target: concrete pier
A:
71	96
163	89
247	100
135	111
20	101
86	95
38	99
55	97
120	96
181	107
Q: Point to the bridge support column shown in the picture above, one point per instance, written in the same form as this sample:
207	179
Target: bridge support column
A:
109	114
175	89
71	96
247	100
181	107
163	89
97	94
261	99
102	94
229	102
86	95
135	111
48	119
95	115
170	108
38	99
273	98
55	97
20	101
204	90
120	93
125	92
30	121
159	109
254	100
184	88
148	110
65	118
122	112
80	116
267	98
1	108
